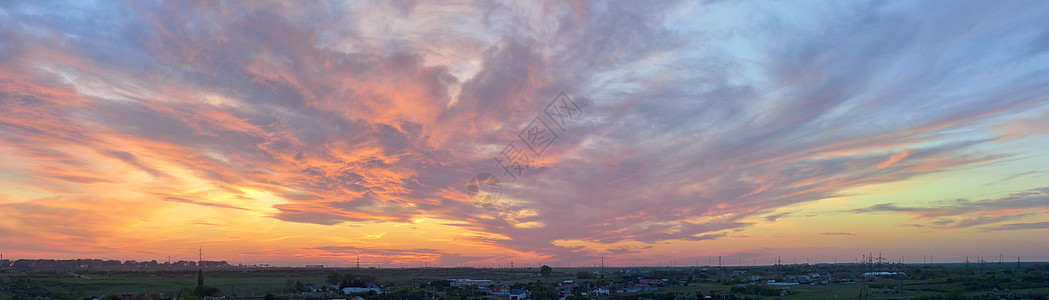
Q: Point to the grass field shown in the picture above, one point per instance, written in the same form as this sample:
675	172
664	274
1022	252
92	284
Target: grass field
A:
244	283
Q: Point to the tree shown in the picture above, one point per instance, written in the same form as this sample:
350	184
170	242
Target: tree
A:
334	278
200	277
545	270
369	278
205	291
185	292
347	280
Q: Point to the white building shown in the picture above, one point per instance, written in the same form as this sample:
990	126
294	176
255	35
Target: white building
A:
360	290
468	282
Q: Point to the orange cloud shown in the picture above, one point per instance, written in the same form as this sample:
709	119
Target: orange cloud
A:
895	158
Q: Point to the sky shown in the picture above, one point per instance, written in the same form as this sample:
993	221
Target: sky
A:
640	132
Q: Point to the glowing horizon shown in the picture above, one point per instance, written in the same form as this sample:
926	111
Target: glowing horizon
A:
293	134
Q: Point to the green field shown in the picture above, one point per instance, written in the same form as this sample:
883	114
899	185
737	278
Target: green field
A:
243	283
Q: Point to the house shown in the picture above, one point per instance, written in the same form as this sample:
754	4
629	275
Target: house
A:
802	279
654	281
500	290
519	294
321	288
638	288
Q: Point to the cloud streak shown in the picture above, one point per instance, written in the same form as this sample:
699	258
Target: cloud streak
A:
964	213
695	126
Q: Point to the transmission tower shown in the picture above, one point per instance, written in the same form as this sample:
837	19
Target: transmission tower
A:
200	266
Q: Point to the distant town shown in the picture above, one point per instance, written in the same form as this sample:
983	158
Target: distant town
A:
100	264
96	279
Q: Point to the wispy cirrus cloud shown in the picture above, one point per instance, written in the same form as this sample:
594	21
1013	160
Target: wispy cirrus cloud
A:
1022	226
838	233
965	213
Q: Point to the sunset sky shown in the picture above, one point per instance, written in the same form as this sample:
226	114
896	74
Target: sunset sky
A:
292	133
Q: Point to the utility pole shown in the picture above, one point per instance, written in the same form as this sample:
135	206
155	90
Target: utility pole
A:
200	266
880	259
602	264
